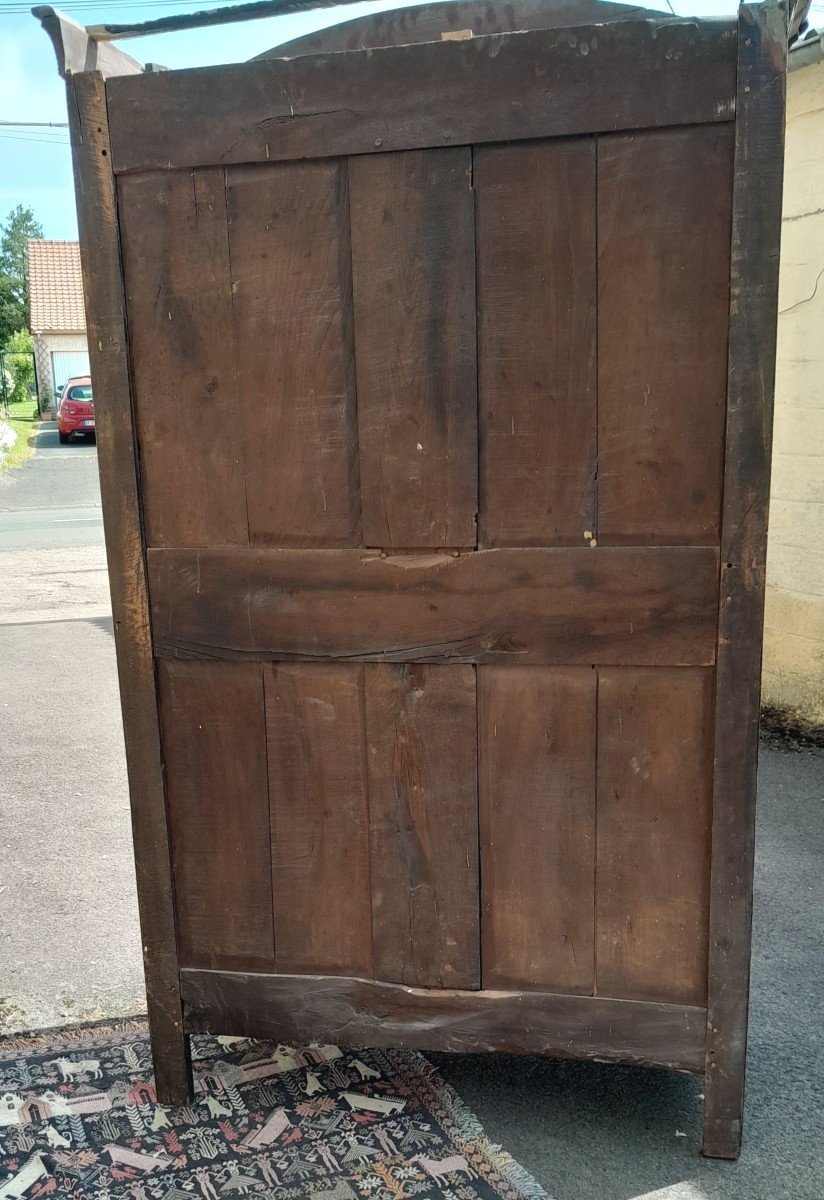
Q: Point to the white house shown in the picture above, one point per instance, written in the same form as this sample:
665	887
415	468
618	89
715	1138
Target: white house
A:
56	314
793	678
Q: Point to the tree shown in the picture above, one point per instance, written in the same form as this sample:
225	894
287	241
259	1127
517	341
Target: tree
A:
20	225
19	362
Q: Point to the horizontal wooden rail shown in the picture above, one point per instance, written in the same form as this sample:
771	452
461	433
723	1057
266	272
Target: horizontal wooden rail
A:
352	1012
626	606
534	84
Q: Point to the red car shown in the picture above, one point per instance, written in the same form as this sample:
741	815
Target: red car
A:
76	411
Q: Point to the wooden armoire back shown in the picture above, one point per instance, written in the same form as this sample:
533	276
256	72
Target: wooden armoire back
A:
448	407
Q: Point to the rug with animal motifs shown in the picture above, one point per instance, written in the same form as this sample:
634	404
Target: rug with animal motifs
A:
79	1118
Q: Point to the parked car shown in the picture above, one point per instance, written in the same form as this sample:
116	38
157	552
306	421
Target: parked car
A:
75	415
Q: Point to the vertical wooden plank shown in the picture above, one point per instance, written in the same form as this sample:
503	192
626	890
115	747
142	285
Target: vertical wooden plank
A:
756	235
178	299
214	752
536	777
125	549
421	757
664	201
320	818
292	298
537	386
653	840
413	262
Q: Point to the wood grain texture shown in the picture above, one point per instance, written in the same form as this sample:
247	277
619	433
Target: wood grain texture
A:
413	263
756	234
423	806
214	754
428	22
292	303
179	304
653	846
119	490
664	211
536	755
320	818
636	74
537	381
567	606
354	1012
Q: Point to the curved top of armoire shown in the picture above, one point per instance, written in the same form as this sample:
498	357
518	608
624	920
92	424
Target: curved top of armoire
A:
91	48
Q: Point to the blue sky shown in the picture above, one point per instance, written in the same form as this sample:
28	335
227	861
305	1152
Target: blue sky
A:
35	167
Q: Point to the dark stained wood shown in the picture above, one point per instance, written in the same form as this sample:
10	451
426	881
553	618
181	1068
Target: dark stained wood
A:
542	83
663	289
753	312
434	22
536	342
291	293
423	807
414	294
627	606
536	738
320	818
179	305
119	489
653	853
214	754
316	397
346	1012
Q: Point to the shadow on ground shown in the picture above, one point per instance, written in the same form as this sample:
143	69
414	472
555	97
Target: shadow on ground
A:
593	1132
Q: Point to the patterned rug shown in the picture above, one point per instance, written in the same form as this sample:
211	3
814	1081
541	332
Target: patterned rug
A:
79	1118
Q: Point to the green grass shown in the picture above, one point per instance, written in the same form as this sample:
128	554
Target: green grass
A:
24	420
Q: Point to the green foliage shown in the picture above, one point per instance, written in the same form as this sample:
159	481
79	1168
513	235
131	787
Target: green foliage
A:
20	342
19	362
20	225
11	311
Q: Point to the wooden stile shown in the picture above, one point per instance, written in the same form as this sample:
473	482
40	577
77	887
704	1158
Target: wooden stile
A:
756	238
433	387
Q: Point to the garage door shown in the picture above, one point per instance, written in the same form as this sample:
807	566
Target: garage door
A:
66	363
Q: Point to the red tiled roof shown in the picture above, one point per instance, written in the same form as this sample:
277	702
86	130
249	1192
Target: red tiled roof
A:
55	286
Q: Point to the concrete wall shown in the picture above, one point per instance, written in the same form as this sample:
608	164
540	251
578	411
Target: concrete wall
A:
793	678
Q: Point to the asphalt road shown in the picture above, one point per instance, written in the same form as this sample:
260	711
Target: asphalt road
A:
69	945
69	940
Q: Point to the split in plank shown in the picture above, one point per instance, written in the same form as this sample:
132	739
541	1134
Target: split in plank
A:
558	83
626	606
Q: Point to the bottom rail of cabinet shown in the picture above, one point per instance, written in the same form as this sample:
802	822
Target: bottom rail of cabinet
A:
361	1012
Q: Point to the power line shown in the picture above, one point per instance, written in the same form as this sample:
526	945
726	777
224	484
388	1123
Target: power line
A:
15	137
37	124
35	135
22	137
